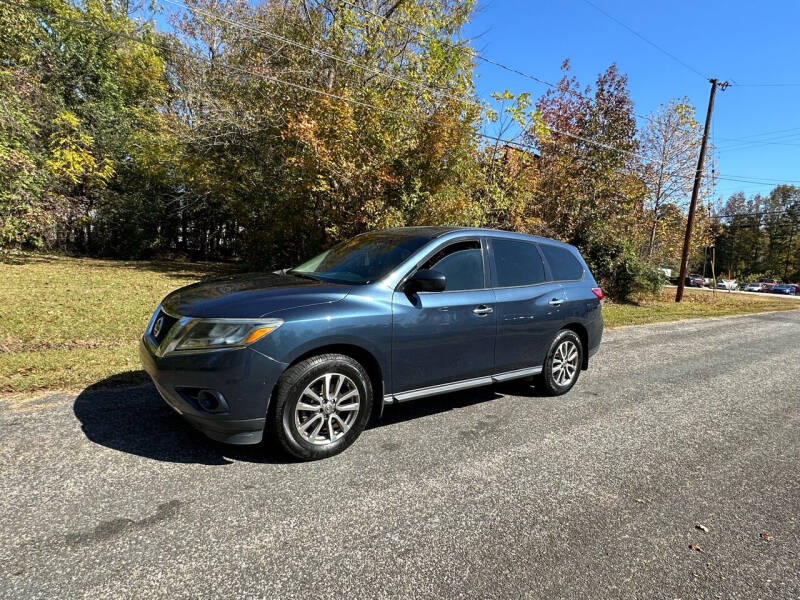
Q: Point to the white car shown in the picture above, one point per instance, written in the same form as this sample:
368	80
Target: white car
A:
754	286
727	284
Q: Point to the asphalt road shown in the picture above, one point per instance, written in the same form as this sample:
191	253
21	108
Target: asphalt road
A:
495	493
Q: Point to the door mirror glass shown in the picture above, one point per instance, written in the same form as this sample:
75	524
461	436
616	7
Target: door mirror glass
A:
427	280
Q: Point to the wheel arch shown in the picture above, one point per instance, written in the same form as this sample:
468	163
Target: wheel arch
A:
582	333
366	358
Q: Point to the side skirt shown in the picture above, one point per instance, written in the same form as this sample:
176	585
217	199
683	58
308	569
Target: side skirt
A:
445	388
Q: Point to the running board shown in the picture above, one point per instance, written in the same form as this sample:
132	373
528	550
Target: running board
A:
455	386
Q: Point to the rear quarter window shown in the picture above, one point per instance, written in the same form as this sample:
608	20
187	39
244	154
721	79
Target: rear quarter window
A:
563	264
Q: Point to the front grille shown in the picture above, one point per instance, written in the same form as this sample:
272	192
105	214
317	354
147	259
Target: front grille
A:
167	321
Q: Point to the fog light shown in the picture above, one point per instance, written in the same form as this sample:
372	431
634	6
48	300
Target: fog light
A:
211	401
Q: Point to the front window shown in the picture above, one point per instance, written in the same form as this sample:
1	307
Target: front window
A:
462	265
362	259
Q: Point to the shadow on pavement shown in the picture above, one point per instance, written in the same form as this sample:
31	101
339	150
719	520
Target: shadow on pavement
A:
137	421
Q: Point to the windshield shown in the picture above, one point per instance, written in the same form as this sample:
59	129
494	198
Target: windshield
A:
363	259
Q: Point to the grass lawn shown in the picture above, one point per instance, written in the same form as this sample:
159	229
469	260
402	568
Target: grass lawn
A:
696	303
71	322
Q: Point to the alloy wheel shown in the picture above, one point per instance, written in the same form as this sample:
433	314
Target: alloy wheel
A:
565	362
327	408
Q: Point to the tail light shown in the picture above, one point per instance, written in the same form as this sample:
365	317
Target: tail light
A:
599	293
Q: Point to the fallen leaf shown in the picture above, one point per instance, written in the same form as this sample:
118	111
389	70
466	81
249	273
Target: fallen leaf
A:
702	528
766	536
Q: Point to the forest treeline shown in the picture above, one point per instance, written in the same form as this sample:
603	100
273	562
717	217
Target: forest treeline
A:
264	131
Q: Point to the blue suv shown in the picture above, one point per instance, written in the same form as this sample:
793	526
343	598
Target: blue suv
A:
308	353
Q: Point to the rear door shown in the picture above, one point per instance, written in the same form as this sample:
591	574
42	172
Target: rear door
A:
528	304
448	336
579	300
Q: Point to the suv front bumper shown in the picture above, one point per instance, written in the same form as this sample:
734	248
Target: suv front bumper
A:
244	377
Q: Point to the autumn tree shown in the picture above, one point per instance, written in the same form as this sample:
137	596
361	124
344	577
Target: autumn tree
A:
319	121
587	187
669	145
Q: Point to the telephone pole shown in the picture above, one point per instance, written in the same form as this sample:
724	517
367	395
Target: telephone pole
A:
698	175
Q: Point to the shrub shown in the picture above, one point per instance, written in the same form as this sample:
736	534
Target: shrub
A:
619	270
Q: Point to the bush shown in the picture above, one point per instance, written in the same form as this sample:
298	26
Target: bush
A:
619	270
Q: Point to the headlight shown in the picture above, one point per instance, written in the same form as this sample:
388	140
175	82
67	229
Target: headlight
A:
206	334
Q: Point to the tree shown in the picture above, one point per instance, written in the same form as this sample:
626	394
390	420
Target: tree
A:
85	114
355	122
587	187
669	145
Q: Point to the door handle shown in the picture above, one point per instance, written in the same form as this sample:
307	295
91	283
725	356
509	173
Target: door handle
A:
555	302
483	310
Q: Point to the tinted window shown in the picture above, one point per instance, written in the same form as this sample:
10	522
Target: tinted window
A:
461	263
563	264
363	259
517	263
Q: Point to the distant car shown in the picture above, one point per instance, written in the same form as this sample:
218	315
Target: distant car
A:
727	284
788	289
695	280
767	283
754	286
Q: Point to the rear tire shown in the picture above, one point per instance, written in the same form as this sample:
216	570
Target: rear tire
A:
562	366
321	406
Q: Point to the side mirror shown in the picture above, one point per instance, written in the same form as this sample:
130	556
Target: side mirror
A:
427	280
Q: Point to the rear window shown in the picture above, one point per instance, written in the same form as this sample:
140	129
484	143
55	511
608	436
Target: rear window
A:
517	263
563	264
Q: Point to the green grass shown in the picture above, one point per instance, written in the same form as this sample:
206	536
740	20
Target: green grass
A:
695	304
72	322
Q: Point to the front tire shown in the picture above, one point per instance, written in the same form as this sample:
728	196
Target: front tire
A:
321	406
562	366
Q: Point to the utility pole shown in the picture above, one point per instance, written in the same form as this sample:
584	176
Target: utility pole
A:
698	175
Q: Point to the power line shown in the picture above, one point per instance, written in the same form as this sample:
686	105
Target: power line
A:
644	39
472	52
270	78
759	135
476	55
747	145
752	214
332	56
354	101
767	84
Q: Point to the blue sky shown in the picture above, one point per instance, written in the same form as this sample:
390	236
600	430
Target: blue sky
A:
744	42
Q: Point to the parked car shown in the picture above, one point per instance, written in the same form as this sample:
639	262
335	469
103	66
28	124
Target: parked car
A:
308	354
767	283
784	288
695	281
727	284
754	286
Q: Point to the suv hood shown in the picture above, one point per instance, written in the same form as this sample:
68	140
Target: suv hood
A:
250	295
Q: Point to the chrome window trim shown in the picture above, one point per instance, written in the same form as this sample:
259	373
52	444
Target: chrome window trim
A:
440	244
444	388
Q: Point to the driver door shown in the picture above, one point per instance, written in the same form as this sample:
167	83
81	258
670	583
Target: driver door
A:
447	336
